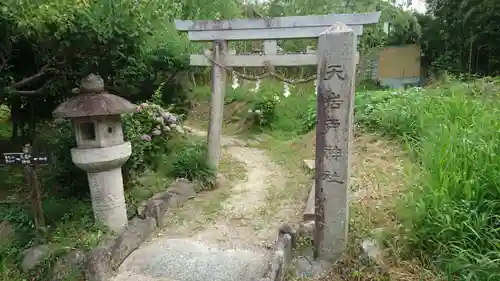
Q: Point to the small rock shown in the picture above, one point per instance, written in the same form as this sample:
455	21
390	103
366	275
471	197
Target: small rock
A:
131	212
69	266
161	196
164	195
308	268
370	248
35	255
307	228
309	164
137	231
372	253
5	231
250	143
156	209
173	201
92	84
221	180
98	262
184	189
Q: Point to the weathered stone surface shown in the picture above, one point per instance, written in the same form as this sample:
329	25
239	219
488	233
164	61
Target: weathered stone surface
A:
35	255
183	188
134	235
92	84
335	101
69	266
98	262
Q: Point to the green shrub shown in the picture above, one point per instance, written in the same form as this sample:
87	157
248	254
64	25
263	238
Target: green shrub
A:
452	213
149	130
188	159
309	119
70	180
263	112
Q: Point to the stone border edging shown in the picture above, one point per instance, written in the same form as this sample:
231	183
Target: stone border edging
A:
281	256
101	263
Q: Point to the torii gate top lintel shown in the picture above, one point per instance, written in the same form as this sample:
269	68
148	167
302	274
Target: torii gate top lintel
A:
272	28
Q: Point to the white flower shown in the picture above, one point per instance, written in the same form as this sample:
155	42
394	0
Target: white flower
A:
286	90
235	81
257	111
156	132
167	128
276	98
257	86
250	110
159	119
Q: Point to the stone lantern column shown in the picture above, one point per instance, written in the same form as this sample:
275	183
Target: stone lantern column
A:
101	149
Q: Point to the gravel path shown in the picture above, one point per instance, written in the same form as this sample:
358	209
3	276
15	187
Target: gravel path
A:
228	246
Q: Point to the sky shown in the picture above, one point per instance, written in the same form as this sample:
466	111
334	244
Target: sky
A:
418	5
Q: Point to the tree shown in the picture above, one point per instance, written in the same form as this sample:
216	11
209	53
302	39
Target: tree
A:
47	48
463	36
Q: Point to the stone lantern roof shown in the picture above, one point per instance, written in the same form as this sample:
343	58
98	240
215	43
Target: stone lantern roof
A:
92	100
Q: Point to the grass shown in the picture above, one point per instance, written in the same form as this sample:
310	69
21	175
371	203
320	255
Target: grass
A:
450	215
438	202
205	207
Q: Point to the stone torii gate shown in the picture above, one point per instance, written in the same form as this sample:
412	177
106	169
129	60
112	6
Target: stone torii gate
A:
268	29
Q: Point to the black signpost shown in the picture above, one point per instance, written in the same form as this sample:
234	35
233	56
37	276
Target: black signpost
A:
29	160
12	158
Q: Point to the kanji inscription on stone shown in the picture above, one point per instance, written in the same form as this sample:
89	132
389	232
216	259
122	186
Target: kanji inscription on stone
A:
336	67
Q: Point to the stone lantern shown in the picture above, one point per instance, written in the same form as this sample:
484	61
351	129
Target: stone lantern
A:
101	149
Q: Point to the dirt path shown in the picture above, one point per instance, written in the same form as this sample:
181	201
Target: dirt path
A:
223	234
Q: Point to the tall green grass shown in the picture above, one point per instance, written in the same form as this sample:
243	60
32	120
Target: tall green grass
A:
452	213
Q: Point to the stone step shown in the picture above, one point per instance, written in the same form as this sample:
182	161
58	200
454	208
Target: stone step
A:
172	259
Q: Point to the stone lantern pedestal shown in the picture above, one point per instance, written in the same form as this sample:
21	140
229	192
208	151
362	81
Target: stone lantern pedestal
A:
101	149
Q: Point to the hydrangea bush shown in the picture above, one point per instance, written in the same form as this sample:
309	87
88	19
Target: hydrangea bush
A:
149	129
